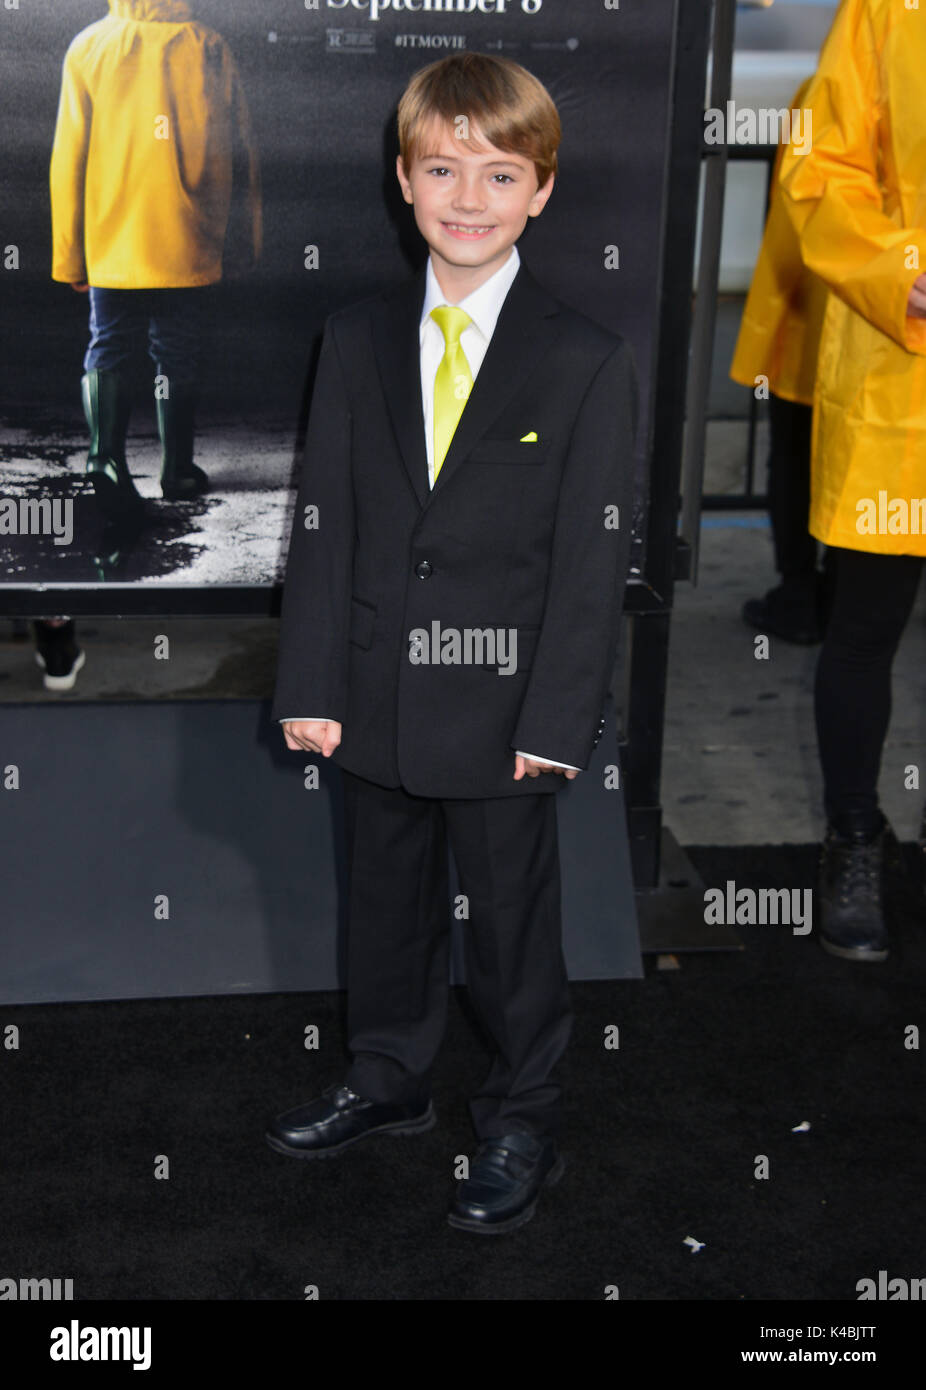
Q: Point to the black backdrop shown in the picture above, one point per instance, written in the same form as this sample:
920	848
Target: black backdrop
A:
322	85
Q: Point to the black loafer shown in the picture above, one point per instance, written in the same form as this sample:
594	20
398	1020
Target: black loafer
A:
505	1182
338	1118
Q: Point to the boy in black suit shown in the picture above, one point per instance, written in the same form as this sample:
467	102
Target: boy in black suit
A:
450	623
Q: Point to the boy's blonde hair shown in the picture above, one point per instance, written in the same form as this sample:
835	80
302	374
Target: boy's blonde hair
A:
509	107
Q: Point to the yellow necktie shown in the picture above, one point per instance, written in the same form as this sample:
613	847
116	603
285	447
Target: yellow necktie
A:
453	381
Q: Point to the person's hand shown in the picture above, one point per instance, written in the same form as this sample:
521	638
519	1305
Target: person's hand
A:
312	735
527	767
916	304
80	286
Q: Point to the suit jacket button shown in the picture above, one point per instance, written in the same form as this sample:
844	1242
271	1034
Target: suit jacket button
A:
423	569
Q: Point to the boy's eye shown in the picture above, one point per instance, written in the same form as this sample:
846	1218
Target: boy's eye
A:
441	169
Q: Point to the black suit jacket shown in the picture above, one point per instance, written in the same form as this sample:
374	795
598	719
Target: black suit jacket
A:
513	536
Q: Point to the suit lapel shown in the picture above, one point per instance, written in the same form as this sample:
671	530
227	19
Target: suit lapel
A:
396	325
524	332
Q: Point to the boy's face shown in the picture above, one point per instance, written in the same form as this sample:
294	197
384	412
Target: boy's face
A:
470	206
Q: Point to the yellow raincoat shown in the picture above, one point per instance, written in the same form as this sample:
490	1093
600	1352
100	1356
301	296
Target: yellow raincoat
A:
153	160
858	201
780	330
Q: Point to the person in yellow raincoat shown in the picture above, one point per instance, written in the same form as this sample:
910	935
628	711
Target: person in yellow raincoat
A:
155	194
857	199
776	352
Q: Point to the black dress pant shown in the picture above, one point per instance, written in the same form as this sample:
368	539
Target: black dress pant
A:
507	859
873	599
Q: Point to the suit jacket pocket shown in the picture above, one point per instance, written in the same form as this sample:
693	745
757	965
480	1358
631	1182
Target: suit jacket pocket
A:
362	622
508	451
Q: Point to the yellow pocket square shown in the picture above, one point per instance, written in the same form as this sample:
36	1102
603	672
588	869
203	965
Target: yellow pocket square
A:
530	438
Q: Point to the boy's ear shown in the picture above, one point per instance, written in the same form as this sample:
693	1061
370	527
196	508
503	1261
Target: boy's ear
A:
538	202
403	180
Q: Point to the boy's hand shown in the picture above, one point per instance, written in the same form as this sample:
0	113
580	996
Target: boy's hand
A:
312	735
80	286
528	767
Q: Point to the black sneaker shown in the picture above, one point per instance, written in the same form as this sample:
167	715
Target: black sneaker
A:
58	654
851	892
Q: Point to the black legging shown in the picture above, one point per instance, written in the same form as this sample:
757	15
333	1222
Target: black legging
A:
873	599
789	488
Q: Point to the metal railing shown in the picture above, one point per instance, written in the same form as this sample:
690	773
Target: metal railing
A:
748	499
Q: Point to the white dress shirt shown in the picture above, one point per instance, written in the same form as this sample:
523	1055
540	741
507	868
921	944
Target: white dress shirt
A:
483	306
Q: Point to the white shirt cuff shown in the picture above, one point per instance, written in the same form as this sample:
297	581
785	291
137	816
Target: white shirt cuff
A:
533	756
551	761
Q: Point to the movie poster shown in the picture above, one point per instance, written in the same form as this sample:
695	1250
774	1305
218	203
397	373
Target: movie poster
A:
310	127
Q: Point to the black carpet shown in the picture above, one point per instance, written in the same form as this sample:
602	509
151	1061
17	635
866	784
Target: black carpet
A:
717	1064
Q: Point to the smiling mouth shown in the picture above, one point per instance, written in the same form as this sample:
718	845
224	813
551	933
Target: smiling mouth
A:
461	229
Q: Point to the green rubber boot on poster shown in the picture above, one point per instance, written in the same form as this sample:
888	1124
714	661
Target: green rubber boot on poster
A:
180	477
107	401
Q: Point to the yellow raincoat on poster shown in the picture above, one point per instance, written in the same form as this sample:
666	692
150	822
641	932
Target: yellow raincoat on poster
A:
153	164
858	202
780	329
